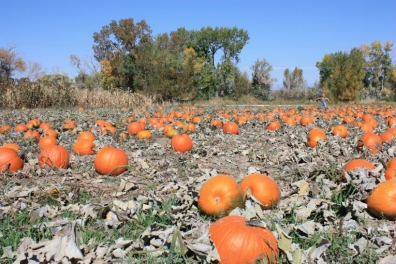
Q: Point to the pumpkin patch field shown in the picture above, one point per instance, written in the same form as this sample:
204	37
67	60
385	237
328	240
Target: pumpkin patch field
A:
198	184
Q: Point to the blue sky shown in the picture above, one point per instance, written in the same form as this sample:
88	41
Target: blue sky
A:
287	33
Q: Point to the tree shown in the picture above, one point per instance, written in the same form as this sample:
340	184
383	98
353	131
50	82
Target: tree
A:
261	79
118	44
10	62
378	64
292	82
88	70
342	74
34	71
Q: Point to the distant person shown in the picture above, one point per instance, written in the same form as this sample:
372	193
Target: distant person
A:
323	100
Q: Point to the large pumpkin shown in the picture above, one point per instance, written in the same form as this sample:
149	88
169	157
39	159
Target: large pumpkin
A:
263	188
181	143
340	130
239	241
86	135
314	135
54	156
109	158
381	202
219	195
9	160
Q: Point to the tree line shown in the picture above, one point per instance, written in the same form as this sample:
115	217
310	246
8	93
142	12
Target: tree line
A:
186	65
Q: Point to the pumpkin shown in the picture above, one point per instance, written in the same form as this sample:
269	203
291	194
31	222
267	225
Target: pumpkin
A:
5	129
381	202
263	188
47	140
372	142
44	126
197	119
135	127
340	130
181	143
358	163
50	132
32	134
84	147
219	195
86	135
306	120
239	241
231	128
171	133
20	128
189	128
34	123
144	134
348	120
390	173
215	123
386	136
167	128
108	158
290	121
391	122
274	125
9	160
54	156
366	127
12	145
314	135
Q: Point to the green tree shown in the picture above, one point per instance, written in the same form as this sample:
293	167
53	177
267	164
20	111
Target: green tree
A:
261	79
378	64
293	82
118	43
342	74
10	63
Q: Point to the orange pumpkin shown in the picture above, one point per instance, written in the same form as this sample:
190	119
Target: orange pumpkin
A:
109	158
306	120
32	134
54	156
9	160
231	128
144	134
381	202
314	135
340	130
84	147
12	145
216	123
50	132
181	143
372	142
358	163
386	136
47	140
135	127
274	125
5	129
219	195
238	240
86	135
20	128
263	188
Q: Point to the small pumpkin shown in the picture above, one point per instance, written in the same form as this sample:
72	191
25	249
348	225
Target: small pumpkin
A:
32	134
239	240
144	134
47	140
50	132
219	195
5	129
108	158
9	160
381	202
181	143
306	120
135	127
263	188
314	135
274	125
86	135
340	130
54	156
20	128
84	147
231	128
